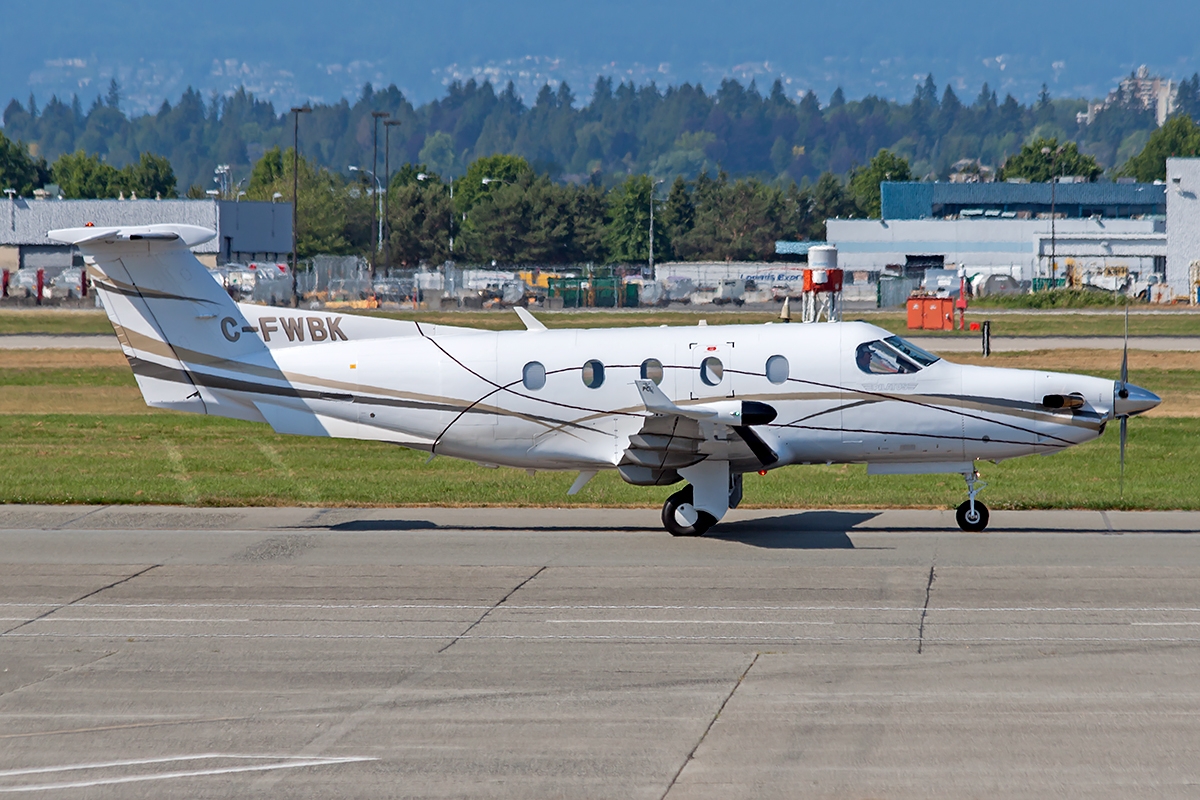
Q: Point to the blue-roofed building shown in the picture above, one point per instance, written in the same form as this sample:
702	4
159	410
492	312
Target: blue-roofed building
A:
911	200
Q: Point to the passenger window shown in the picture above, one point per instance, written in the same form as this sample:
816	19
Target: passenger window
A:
876	358
652	370
533	376
593	374
778	369
712	370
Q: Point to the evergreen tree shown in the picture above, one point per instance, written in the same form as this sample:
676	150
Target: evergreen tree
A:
1179	137
20	171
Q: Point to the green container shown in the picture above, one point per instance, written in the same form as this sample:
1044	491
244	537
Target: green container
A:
632	295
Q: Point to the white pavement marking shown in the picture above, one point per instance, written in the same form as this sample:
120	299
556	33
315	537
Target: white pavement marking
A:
472	607
282	762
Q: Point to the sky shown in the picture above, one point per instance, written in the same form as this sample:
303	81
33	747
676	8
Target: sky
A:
295	50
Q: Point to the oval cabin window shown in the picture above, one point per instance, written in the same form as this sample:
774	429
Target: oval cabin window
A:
778	369
533	376
652	370
593	374
712	370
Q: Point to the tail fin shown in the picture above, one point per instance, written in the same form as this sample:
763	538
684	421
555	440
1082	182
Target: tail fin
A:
169	314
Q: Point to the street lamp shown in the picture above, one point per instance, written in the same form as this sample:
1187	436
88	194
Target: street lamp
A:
653	188
223	176
486	181
421	176
387	190
296	112
378	216
1054	154
375	117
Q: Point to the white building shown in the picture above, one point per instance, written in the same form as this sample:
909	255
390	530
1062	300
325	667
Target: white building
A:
1183	225
1019	247
246	231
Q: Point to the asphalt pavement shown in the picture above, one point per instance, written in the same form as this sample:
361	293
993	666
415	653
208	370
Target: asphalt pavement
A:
306	652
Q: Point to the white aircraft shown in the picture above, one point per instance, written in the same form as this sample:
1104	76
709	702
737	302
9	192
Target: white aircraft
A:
660	405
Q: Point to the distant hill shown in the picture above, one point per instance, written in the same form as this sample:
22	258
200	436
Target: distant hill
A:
290	50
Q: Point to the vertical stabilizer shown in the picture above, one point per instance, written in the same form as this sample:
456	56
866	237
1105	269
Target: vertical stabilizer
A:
172	319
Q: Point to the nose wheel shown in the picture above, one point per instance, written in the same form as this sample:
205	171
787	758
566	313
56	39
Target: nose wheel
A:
972	516
681	518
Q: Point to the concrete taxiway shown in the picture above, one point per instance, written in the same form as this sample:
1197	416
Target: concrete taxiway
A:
585	653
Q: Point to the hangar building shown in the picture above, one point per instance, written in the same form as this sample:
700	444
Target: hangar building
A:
246	230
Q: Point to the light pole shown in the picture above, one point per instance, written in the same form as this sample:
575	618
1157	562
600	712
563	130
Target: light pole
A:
421	176
1053	216
296	112
653	188
223	177
387	191
377	209
375	117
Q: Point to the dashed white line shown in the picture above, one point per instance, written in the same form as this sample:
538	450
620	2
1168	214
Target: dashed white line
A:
281	762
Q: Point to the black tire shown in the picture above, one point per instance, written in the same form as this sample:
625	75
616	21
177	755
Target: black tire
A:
968	525
703	523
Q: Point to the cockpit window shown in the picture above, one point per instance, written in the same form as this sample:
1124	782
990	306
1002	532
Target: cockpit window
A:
877	358
909	349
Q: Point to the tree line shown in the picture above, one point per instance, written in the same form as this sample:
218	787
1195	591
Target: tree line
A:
623	129
522	216
507	209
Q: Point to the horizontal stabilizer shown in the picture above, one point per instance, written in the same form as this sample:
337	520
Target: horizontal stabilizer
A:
190	235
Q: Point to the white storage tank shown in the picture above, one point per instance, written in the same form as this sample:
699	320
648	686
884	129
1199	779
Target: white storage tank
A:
822	256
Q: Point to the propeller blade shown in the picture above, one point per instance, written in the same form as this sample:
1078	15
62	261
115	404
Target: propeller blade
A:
1124	424
1125	354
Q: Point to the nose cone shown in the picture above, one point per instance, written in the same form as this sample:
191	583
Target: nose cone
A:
1134	400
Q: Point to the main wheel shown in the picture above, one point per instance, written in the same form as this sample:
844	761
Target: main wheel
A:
972	522
672	512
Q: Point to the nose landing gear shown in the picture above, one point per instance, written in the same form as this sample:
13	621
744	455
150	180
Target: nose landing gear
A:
972	516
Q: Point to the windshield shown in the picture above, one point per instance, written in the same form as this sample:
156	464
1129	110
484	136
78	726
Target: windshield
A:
876	358
909	349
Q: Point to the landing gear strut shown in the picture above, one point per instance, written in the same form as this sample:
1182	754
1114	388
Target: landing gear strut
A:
681	518
972	515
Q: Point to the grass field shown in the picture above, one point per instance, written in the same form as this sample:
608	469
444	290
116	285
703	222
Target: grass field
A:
73	429
1006	323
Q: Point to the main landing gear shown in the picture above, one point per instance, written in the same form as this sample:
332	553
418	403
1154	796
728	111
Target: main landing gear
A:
711	491
972	515
681	518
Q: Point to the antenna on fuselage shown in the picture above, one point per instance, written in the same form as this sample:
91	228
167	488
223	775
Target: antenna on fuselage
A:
785	313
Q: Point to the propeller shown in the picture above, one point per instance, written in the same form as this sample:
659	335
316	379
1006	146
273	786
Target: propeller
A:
1123	393
1129	400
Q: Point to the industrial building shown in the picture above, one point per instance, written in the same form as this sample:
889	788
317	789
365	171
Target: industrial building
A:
1183	226
1066	200
1016	229
246	231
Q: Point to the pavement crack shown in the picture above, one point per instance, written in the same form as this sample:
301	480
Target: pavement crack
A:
51	677
92	593
711	723
499	603
81	518
925	608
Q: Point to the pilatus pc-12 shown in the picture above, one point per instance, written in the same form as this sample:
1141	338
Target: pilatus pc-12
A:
660	405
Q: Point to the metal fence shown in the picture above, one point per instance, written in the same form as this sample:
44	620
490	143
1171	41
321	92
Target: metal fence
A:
894	292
